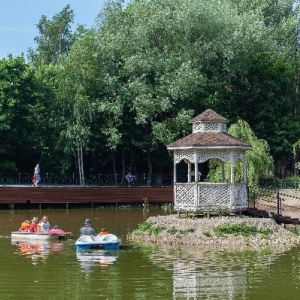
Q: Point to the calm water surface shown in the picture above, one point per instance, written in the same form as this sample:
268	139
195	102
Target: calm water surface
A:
56	271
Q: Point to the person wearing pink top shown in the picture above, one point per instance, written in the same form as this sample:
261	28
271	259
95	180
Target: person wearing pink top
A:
33	225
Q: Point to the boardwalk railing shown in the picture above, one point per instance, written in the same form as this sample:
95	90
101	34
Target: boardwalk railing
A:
99	179
277	199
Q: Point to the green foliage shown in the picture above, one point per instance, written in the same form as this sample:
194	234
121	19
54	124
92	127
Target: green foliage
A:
144	226
18	98
128	87
207	233
259	160
55	39
172	231
241	229
155	230
147	227
296	150
145	204
167	207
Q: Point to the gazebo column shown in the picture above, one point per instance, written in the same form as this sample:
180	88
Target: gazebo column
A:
223	171
196	167
232	195
189	172
174	171
245	170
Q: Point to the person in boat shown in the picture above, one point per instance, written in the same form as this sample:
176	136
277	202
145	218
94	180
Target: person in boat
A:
33	225
25	225
103	231
43	225
87	229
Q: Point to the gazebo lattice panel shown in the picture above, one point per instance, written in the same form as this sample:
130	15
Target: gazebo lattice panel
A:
214	195
185	154
185	195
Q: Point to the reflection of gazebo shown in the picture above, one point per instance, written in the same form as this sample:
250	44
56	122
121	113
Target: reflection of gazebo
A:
209	140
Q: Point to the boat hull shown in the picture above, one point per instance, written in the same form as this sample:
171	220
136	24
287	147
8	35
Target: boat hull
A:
107	242
53	235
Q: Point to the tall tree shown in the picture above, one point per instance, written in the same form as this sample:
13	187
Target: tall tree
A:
170	55
55	39
17	119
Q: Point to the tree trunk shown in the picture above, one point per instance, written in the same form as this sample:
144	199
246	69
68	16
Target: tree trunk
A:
114	170
149	177
80	165
123	166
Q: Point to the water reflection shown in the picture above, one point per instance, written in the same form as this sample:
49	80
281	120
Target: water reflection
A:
89	259
38	250
137	272
208	274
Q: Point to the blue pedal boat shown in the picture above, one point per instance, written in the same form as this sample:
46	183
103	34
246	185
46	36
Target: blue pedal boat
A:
106	242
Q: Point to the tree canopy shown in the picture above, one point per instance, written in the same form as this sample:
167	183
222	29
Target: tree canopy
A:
109	98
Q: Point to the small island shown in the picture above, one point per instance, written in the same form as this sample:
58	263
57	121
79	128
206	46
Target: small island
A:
220	233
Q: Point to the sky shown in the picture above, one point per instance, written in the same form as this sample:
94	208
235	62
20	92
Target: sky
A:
18	20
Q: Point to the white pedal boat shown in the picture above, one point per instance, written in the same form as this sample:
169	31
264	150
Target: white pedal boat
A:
107	242
52	235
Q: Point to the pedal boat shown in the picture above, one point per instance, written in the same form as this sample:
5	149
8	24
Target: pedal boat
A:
106	242
52	235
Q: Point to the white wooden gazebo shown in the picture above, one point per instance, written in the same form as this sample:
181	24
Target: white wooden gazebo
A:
209	140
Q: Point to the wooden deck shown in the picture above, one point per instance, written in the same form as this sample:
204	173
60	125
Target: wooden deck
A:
84	195
279	218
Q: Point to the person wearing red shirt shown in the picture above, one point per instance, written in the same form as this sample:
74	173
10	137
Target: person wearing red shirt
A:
33	225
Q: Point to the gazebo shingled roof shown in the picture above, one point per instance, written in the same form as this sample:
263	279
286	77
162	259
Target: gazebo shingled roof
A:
209	116
208	139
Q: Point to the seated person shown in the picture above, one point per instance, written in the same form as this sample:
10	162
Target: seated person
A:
104	231
87	229
33	225
45	225
25	226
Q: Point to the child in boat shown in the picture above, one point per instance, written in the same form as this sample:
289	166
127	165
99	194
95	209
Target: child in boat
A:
33	225
44	224
25	225
103	231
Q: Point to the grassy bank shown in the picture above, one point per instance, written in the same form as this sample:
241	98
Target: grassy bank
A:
218	232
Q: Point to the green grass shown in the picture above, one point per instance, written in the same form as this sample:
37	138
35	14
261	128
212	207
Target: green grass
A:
241	229
147	227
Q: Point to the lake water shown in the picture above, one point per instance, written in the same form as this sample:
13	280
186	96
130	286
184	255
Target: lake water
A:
56	271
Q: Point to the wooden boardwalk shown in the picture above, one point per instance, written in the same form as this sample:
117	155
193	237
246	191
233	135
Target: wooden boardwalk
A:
84	195
279	218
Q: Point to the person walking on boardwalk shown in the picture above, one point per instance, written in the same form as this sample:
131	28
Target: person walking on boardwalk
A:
37	174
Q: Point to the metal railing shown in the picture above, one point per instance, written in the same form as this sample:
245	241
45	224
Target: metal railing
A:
52	179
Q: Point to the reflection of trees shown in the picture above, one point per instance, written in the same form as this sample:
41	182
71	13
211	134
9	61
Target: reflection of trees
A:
208	274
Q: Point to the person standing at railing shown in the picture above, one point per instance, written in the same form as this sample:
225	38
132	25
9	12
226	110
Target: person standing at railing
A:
129	177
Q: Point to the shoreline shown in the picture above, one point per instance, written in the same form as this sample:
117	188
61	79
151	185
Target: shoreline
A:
200	233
